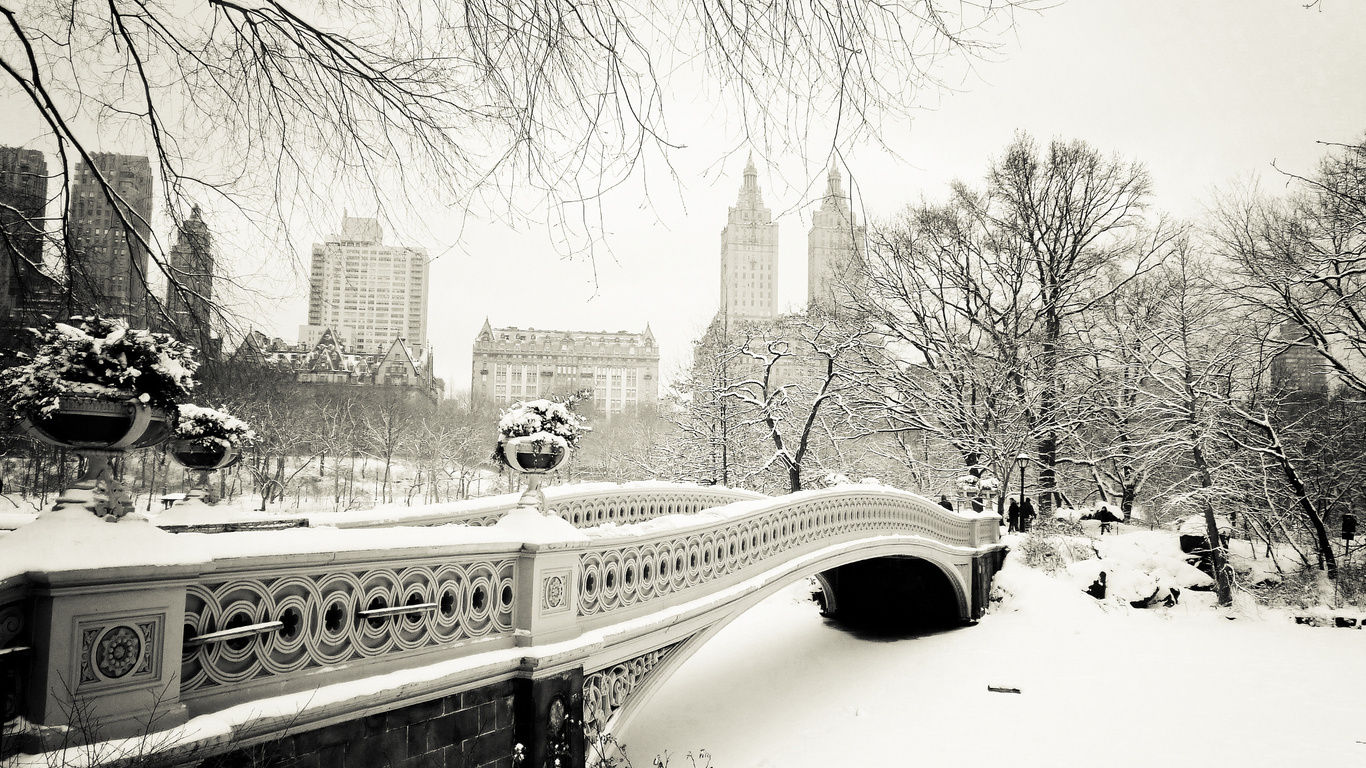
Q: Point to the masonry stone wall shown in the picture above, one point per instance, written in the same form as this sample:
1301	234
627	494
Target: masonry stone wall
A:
473	729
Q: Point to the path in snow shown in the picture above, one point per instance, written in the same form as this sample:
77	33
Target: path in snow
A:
783	687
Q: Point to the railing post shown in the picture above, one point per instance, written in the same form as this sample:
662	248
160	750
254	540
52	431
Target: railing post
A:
547	594
106	652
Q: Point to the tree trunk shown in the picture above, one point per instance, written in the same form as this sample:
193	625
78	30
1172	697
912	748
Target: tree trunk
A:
1218	556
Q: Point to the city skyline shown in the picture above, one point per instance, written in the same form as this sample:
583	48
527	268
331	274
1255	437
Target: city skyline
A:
1205	96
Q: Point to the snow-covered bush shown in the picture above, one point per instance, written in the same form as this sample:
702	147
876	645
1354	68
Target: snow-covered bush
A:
1052	545
989	485
102	358
207	426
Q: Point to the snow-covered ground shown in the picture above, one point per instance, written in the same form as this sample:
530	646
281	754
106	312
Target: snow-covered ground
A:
1101	684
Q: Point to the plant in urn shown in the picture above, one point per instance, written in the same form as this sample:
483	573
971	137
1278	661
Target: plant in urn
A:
535	437
99	388
205	441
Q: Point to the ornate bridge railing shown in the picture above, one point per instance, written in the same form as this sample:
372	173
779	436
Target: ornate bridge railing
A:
244	618
245	624
618	572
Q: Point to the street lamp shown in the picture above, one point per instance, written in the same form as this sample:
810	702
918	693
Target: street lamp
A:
1022	461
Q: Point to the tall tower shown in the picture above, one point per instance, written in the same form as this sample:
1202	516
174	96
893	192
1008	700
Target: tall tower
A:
1298	372
834	248
108	259
23	201
368	292
749	254
189	296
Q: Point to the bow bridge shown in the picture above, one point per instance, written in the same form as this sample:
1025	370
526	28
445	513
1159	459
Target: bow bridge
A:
405	641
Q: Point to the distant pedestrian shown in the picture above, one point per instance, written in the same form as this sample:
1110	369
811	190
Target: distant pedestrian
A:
1107	519
945	503
1027	514
1013	516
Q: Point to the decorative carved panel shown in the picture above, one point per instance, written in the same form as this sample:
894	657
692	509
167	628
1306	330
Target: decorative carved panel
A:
118	651
606	691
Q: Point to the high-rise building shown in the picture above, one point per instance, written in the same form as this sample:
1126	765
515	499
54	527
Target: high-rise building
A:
834	248
366	291
107	236
23	203
512	364
749	255
189	293
1298	372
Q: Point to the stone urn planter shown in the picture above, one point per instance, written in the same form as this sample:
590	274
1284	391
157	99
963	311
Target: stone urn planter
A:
534	457
98	430
203	460
205	441
535	438
98	388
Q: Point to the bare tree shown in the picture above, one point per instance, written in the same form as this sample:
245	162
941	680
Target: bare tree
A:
1302	260
1071	213
794	384
254	108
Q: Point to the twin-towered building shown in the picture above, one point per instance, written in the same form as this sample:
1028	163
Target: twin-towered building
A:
749	252
622	369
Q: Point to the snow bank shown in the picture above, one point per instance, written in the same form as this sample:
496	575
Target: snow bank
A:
1138	566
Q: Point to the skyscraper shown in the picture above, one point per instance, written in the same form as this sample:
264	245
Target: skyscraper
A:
23	202
749	255
189	294
367	292
108	257
834	248
1298	372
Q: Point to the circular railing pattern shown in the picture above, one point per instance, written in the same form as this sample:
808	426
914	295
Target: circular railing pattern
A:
321	622
616	575
635	506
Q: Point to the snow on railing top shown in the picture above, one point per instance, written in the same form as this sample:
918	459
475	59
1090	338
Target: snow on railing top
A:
583	505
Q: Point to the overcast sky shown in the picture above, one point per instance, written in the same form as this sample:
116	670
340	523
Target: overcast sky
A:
1204	94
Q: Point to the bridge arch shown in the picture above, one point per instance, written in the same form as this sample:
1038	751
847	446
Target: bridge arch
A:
625	686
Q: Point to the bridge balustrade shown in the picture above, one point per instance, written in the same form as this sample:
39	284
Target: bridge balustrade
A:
619	572
270	615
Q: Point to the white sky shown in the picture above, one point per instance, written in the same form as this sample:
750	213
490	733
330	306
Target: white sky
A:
1204	93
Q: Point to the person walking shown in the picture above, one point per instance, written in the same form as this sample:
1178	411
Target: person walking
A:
1027	515
1013	516
945	503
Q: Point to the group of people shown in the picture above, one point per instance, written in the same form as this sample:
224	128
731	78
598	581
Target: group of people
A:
1018	516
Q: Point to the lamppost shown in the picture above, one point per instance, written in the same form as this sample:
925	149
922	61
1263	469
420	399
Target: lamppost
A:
1022	461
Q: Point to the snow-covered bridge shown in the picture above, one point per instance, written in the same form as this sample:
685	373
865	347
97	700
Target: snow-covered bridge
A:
446	645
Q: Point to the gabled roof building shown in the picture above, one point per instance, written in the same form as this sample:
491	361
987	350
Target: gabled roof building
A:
330	361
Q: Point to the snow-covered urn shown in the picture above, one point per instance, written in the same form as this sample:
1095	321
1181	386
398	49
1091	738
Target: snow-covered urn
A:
968	485
99	388
989	486
207	440
535	437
